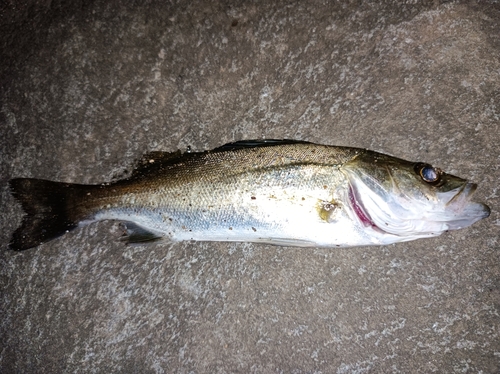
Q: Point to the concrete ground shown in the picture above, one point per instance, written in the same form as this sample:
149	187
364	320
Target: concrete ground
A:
87	87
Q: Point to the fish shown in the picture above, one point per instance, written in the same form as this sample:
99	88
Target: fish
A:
282	192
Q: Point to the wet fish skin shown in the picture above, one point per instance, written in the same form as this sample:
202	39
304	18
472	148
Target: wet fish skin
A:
279	192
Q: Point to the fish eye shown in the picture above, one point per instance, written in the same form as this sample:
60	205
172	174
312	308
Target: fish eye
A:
428	173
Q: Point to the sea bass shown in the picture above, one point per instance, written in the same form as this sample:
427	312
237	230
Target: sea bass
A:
270	191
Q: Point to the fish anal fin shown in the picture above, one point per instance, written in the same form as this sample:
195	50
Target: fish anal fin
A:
133	233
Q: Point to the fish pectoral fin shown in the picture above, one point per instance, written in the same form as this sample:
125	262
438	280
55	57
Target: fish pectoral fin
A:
288	242
133	233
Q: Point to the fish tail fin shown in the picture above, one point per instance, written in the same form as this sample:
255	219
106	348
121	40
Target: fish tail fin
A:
46	206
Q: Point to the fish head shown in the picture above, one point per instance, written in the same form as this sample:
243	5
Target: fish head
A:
404	200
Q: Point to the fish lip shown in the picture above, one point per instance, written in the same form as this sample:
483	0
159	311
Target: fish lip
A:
462	197
464	210
360	211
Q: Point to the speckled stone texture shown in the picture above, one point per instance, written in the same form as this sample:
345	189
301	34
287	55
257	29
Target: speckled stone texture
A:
87	87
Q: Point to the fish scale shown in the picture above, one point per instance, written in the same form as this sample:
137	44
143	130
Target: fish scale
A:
269	191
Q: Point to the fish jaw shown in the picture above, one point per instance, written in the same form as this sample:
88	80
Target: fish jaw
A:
459	210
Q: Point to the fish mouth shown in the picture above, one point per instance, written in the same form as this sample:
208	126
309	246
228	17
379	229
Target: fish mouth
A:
463	212
461	197
455	211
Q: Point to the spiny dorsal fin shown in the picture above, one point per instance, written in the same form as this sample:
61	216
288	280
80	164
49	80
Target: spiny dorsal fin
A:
256	143
155	161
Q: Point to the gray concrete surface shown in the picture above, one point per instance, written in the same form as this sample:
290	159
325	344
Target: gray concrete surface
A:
87	87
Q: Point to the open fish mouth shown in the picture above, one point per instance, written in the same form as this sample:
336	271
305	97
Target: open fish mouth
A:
459	199
461	211
451	210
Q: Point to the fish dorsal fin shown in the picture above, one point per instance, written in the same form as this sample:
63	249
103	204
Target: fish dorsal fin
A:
154	161
256	143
